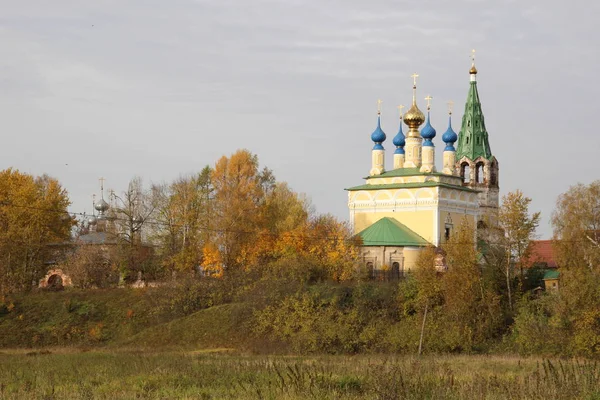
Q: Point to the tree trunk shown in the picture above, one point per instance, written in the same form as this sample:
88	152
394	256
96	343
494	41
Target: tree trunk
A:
508	283
423	329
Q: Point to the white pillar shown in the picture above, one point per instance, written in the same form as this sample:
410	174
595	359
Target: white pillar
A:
377	162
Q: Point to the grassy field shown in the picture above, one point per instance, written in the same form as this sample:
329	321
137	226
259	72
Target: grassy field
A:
78	374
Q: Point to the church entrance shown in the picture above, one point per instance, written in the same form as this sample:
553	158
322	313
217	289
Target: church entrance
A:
55	282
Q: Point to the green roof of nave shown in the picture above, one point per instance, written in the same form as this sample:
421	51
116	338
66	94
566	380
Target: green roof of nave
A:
404	172
473	137
410	185
390	232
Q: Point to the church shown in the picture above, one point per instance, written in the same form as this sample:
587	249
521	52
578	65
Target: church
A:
400	211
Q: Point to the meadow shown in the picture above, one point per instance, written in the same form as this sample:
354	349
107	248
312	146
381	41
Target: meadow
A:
71	373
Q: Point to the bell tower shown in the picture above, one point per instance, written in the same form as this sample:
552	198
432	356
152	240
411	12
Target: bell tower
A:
475	163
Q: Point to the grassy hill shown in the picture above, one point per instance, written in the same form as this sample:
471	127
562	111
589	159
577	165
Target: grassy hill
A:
219	326
137	317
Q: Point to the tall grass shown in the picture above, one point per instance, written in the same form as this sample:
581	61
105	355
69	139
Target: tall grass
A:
125	375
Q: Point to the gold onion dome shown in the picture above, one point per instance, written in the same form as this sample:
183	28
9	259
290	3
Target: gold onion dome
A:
473	70
414	117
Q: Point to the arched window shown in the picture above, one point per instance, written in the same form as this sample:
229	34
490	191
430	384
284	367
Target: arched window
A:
395	270
55	282
481	225
465	172
494	174
370	269
479	173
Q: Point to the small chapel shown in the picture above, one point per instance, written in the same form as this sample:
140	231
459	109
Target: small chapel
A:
398	212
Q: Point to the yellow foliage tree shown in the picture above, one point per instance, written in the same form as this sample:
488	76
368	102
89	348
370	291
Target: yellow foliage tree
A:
33	214
238	194
212	264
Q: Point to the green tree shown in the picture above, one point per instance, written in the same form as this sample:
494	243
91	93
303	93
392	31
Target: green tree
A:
33	214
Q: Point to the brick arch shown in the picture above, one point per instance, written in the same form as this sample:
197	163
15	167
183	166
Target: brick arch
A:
53	277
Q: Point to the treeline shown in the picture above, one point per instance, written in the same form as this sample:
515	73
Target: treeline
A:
232	234
234	216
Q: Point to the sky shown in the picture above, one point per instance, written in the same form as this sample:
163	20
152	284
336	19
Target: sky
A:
159	89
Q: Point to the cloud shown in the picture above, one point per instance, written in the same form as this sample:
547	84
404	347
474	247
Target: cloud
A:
157	88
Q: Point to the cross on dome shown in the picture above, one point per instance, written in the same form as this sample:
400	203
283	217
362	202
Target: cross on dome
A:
428	98
400	108
415	76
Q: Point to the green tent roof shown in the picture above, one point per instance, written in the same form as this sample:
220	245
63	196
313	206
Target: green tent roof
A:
389	232
473	137
551	274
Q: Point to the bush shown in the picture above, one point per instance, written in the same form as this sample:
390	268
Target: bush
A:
91	266
330	318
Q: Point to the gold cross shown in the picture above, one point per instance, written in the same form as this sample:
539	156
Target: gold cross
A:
450	104
415	76
400	108
473	56
102	183
428	98
379	101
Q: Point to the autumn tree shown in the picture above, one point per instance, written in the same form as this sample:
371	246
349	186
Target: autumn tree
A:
33	214
576	223
91	266
281	212
128	215
568	322
184	223
517	228
429	288
238	192
325	239
471	307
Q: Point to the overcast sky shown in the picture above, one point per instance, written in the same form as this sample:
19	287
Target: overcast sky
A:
120	88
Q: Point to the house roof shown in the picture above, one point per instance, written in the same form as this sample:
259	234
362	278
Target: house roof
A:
541	252
390	232
551	274
97	238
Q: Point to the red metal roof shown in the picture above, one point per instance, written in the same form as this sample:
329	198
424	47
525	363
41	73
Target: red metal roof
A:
541	252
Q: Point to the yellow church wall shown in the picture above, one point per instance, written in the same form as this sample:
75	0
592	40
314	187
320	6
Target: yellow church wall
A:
411	255
426	193
420	221
362	196
456	219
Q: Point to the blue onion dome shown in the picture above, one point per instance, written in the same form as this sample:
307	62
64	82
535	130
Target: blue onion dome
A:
449	137
399	140
428	132
378	135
